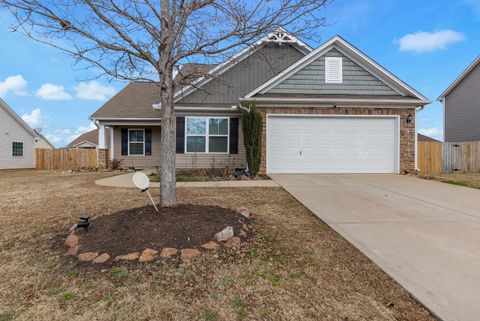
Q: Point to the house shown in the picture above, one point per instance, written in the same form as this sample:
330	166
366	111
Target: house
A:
88	140
328	110
461	105
423	138
42	142
17	140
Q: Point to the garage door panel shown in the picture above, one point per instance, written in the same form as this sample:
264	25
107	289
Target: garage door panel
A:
332	144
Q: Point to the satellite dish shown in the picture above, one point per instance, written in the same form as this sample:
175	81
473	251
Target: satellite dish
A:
141	181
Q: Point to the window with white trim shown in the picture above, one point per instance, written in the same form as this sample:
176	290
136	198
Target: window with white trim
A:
17	149
207	134
136	142
333	70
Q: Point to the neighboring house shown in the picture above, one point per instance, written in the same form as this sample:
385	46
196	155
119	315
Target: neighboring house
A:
17	140
328	110
88	140
461	101
423	138
42	142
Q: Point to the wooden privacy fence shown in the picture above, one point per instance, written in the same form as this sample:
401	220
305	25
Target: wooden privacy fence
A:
461	157
429	157
65	159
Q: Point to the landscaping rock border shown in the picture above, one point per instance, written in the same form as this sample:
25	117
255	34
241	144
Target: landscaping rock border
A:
225	237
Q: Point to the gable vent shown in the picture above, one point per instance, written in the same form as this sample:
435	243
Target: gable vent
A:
333	70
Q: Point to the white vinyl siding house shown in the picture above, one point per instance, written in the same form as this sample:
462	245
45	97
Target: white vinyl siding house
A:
17	140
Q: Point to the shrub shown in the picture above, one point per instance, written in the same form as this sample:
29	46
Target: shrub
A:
252	136
115	163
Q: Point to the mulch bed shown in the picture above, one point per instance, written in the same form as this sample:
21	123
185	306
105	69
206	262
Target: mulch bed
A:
183	226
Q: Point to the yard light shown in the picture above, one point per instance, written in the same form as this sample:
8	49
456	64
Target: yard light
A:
84	221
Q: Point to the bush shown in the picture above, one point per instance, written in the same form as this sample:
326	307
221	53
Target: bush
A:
115	163
252	135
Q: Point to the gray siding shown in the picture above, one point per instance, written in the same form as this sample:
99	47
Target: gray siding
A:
311	80
245	76
12	131
197	160
462	109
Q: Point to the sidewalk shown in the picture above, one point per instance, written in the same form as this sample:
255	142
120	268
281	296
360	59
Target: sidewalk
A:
125	180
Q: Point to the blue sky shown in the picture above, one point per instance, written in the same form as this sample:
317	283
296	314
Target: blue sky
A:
425	43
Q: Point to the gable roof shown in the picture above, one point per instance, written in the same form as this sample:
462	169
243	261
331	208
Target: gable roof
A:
279	36
139	96
40	135
19	119
423	138
353	53
191	72
459	79
91	137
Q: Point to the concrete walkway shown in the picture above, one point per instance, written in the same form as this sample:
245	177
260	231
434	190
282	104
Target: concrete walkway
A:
425	234
125	180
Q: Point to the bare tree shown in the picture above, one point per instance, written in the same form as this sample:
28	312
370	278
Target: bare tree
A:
147	39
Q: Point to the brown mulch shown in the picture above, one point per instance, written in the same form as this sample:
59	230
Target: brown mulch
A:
183	226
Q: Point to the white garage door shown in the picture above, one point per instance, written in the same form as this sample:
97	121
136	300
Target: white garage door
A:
326	144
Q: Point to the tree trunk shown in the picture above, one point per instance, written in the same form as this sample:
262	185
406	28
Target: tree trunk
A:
167	147
168	138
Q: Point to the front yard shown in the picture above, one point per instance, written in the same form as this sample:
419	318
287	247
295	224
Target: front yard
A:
298	268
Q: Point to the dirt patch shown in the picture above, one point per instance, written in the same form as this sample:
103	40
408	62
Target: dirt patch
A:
183	226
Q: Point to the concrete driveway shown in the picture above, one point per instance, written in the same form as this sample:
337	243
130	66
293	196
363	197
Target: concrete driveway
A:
425	234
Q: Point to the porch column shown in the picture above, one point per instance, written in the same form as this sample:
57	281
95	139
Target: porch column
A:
101	137
112	132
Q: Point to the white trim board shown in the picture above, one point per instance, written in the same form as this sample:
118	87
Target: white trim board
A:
333	100
397	131
363	60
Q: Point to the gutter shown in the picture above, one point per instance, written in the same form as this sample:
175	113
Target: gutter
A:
197	108
413	102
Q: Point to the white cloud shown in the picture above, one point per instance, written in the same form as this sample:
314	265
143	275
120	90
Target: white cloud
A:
434	132
422	41
63	136
34	119
93	90
49	91
17	84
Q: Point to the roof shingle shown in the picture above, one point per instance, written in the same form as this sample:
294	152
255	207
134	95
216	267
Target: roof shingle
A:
91	136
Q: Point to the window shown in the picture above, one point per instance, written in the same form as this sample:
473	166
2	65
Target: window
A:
17	149
136	142
333	70
207	135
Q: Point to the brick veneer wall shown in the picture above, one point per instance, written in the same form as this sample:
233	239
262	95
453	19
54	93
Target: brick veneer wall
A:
103	160
407	131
